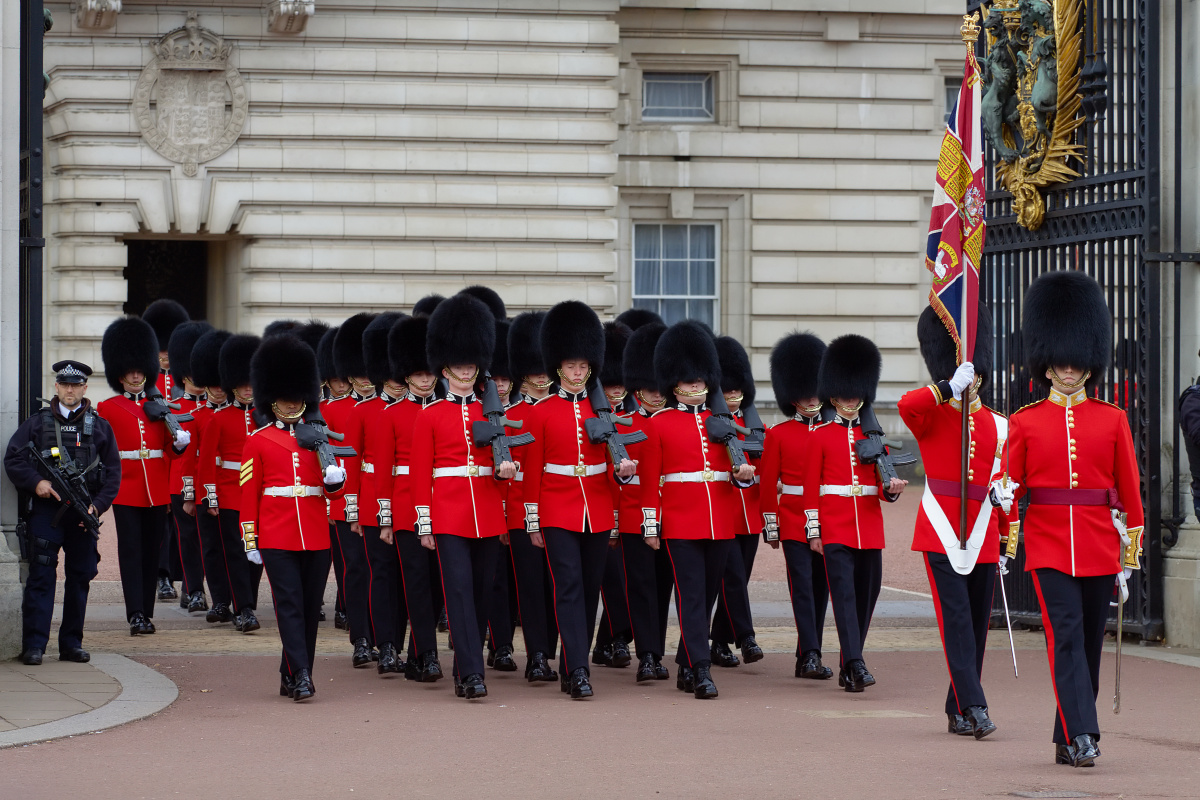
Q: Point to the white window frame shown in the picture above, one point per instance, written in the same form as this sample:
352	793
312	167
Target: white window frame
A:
715	297
710	84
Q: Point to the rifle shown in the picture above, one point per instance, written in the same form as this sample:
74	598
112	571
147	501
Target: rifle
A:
68	481
874	449
758	431
158	409
602	429
490	430
314	434
723	429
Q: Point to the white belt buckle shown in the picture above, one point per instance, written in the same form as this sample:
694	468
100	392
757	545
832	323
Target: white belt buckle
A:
298	491
856	491
473	471
144	453
708	475
580	470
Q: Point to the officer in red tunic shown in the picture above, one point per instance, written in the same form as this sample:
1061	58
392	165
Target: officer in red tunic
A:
688	487
334	406
733	622
283	520
786	510
455	486
849	515
961	580
1073	457
130	353
220	460
568	503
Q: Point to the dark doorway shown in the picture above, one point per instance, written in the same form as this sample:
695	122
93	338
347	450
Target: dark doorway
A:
167	268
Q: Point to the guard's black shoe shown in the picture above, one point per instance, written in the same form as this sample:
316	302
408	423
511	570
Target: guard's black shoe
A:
322	617
537	668
473	687
703	687
645	670
389	662
443	624
503	662
76	654
809	666
1064	754
374	653
1085	751
564	682
958	725
287	686
660	672
32	657
166	589
603	656
722	656
339	621
581	687
431	668
362	654
981	723
751	652
854	676
197	602
303	688
218	612
184	598
412	668
140	624
491	657
459	691
620	653
246	622
685	679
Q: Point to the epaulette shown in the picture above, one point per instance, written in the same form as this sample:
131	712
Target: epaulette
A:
1031	405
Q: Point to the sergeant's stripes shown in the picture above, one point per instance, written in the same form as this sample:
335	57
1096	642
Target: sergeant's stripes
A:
247	472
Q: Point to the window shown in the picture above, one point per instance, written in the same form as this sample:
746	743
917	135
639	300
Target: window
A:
678	96
952	87
675	271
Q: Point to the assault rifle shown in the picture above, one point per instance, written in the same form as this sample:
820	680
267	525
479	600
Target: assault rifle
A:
158	409
314	434
758	431
491	429
69	483
874	449
723	429
602	429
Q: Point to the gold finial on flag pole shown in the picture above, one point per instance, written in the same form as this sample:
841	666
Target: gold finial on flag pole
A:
970	29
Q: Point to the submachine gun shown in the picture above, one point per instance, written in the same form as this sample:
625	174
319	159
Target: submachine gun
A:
157	409
70	483
314	434
602	429
875	449
491	429
722	428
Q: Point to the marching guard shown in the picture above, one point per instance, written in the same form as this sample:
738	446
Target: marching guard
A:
335	405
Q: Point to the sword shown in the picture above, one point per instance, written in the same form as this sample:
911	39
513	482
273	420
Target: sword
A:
1008	621
1120	632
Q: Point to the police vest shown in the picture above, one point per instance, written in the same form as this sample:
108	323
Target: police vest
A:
75	442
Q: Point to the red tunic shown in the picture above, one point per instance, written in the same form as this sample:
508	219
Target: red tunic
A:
221	454
1073	442
514	503
750	521
145	481
365	434
395	437
273	461
186	463
336	413
855	521
630	497
165	383
693	509
462	505
786	456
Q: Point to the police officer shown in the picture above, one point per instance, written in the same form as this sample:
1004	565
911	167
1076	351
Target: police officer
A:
71	426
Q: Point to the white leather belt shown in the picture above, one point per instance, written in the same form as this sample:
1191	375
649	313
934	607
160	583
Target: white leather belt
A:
634	481
293	491
461	472
705	476
849	491
399	471
788	489
229	464
576	470
366	467
139	455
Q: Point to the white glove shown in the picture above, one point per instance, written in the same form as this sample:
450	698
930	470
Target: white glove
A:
183	438
964	376
334	475
254	557
1003	564
1128	572
1002	494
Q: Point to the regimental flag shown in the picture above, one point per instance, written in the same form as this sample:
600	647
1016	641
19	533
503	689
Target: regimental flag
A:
956	227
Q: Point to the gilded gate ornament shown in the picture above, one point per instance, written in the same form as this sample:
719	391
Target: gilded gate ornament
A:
1031	102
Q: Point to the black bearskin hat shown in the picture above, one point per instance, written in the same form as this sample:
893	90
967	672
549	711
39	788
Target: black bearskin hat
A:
325	366
616	339
686	352
637	317
375	346
348	347
164	316
525	345
425	306
850	368
280	327
312	332
179	349
499	368
129	344
941	353
571	330
735	368
795	364
638	363
490	299
284	368
1066	323
406	347
206	358
461	331
234	361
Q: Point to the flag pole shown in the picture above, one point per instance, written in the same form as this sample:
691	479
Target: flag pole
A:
969	34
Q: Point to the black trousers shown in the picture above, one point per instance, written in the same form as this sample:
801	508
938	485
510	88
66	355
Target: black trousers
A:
297	580
535	594
140	532
855	577
169	565
416	582
577	560
386	609
809	593
339	568
697	566
80	557
468	569
964	610
244	575
1074	611
216	559
500	620
356	582
648	582
733	622
614	622
185	535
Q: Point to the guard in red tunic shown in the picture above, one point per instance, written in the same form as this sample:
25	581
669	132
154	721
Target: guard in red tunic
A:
130	353
283	521
568	503
688	487
336	399
220	460
849	515
961	580
733	623
1073	457
786	510
455	486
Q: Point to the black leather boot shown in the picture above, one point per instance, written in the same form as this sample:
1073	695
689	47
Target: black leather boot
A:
809	666
246	622
603	656
1064	754
197	602
303	688
660	672
166	589
722	656
431	668
219	612
504	662
958	725
473	687
388	661
362	654
1085	751
704	688
855	677
443	624
645	670
76	654
339	621
537	668
685	679
287	686
981	723
581	687
751	652
32	657
620	653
